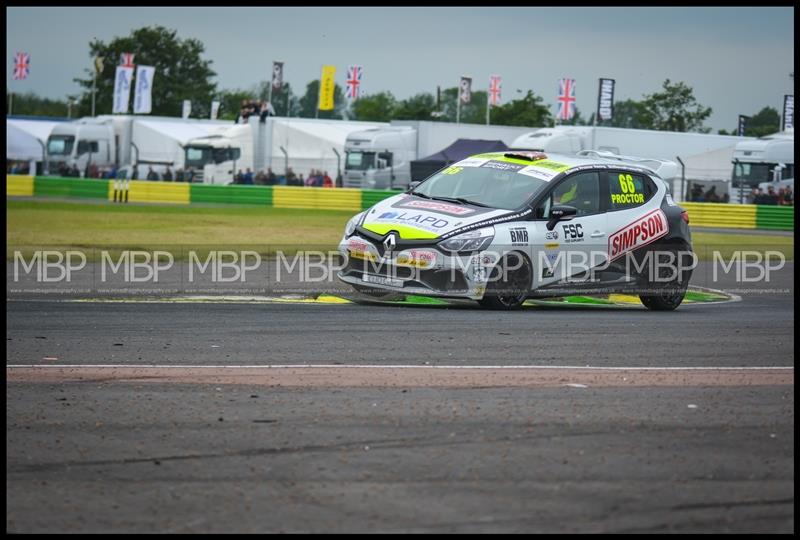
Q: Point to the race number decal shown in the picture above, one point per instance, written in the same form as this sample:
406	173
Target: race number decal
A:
628	195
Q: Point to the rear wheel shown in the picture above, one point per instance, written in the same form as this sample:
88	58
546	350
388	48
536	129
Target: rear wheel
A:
509	283
668	291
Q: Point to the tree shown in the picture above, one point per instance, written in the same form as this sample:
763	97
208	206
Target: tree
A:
528	111
628	114
675	109
33	105
418	107
230	102
181	72
280	97
375	107
577	119
766	121
473	112
308	103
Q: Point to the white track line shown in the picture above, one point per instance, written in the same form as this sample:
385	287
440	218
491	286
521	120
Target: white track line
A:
368	366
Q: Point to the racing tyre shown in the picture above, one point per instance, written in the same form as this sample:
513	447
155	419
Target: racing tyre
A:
508	289
668	295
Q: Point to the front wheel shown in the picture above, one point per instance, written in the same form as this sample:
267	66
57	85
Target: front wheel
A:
509	283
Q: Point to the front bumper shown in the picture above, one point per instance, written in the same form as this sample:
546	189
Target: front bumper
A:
421	270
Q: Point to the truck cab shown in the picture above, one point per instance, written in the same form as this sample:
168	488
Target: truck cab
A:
213	158
216	158
379	158
78	144
762	162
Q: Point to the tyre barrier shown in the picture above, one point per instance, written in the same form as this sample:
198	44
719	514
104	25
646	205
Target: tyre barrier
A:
735	216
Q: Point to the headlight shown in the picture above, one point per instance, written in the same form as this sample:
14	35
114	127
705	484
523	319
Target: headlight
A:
469	241
350	228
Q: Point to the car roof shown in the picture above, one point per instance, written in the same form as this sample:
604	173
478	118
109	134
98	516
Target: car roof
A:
560	162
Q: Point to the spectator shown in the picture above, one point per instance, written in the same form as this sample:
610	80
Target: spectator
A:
327	181
271	178
788	196
726	198
772	197
711	195
168	175
696	195
261	178
189	175
135	173
74	172
290	177
299	181
151	174
238	178
179	175
248	177
311	178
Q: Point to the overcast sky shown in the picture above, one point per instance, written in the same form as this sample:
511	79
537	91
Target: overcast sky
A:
738	60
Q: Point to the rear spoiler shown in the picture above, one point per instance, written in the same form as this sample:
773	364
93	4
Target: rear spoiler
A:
662	167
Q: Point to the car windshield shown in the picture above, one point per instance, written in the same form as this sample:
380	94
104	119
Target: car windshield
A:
487	186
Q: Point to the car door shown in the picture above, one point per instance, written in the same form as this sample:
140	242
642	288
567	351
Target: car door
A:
572	247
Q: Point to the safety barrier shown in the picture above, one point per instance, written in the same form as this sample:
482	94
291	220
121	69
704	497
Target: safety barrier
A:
700	214
740	216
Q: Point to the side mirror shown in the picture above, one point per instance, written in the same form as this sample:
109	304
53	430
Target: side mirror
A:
560	213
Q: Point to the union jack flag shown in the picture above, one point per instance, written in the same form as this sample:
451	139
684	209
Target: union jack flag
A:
22	66
566	98
354	74
126	59
494	90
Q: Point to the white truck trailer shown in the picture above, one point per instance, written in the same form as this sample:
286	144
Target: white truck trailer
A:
380	158
124	141
301	144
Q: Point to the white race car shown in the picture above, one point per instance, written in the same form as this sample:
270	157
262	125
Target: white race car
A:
503	227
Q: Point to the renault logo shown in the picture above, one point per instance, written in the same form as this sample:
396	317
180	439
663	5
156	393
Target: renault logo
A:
390	242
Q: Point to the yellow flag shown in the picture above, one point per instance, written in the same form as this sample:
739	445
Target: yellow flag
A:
98	63
326	86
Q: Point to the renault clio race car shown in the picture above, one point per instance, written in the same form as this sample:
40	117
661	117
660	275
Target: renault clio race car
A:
500	228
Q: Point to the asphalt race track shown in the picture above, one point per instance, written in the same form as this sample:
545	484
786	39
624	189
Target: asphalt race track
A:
209	438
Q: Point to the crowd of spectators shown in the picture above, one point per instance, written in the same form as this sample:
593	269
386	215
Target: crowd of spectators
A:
18	167
783	197
252	107
698	194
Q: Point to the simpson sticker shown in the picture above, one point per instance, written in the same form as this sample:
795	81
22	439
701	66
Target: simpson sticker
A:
438	207
471	162
519	236
628	195
502	166
639	233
